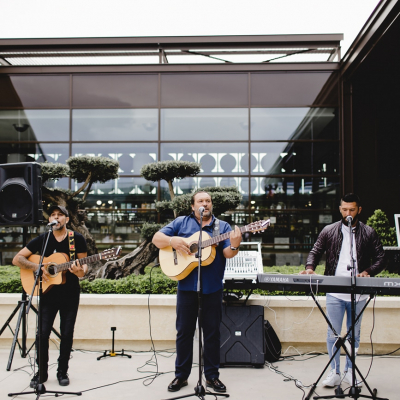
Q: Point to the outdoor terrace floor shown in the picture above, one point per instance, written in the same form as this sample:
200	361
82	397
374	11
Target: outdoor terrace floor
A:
119	377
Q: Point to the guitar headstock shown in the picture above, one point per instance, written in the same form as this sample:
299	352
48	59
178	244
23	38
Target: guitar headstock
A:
110	254
258	226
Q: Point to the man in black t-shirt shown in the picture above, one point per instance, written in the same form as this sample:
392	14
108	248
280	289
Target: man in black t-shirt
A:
63	298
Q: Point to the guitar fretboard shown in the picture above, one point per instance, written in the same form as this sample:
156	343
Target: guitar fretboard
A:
220	238
85	260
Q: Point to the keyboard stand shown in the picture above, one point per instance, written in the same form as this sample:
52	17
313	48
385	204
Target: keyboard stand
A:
354	392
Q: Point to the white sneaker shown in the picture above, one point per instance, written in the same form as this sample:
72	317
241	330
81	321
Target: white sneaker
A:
333	379
348	376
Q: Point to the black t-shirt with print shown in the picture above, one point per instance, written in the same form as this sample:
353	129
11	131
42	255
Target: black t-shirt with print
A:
53	246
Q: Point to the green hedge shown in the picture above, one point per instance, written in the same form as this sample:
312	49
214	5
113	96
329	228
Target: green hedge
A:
10	281
160	284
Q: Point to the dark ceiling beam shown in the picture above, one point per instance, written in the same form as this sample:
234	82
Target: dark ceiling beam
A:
158	68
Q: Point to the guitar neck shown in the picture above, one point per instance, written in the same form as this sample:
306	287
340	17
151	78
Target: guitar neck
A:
220	238
85	260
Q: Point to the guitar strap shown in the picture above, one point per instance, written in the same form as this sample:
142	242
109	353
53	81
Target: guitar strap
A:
71	241
216	227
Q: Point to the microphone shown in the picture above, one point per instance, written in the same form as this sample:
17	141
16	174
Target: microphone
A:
52	223
201	210
349	219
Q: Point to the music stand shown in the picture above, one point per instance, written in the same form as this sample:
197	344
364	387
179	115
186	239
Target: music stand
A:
354	391
199	390
40	388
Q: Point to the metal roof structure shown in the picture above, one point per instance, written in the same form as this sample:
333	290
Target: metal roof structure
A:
259	49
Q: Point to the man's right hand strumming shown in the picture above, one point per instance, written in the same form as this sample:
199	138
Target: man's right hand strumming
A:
180	245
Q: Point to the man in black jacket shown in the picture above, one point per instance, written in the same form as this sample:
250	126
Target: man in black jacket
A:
368	254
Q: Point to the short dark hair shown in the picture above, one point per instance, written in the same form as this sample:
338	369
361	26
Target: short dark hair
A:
196	193
351	198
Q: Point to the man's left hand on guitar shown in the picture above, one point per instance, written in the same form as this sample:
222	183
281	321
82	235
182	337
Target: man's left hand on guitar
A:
77	269
236	237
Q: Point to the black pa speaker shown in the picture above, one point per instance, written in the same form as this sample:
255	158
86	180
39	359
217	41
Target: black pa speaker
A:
21	194
242	336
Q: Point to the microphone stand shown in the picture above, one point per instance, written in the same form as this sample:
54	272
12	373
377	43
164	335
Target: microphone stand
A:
40	388
199	390
354	391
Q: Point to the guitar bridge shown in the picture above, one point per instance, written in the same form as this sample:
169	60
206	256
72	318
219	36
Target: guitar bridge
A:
175	257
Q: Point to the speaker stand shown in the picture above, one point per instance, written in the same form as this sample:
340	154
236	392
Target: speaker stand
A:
21	320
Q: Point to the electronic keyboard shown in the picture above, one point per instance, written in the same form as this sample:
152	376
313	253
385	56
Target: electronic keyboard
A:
328	284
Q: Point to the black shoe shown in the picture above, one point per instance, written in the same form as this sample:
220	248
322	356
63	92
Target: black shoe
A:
35	380
216	384
63	379
177	384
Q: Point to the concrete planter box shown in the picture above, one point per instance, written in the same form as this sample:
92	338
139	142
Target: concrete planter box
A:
296	320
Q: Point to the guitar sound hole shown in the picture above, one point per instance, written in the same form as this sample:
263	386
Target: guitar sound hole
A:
51	269
193	248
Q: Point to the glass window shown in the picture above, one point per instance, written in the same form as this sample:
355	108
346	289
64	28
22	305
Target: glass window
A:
115	91
131	156
286	89
293	123
295	158
292	192
62	183
204	90
187	185
121	193
30	152
215	158
99	125
225	124
34	125
34	91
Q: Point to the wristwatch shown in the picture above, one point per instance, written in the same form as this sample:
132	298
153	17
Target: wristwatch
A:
235	248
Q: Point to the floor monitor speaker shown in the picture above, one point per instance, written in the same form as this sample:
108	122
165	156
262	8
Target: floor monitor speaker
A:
242	336
21	194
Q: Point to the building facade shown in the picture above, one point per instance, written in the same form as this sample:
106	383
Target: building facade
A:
277	127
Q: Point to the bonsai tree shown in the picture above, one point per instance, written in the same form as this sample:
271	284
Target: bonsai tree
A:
223	200
380	223
169	171
86	170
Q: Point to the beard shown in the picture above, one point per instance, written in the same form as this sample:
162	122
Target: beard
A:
207	214
58	227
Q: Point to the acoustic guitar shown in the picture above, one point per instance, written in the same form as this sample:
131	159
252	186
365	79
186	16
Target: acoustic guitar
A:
177	266
57	265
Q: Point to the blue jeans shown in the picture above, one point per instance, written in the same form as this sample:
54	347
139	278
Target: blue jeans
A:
186	310
335	310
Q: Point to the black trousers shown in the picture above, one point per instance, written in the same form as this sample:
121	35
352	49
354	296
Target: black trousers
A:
186	317
67	306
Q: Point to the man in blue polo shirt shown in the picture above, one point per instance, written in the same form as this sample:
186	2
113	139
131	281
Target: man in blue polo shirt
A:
187	298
